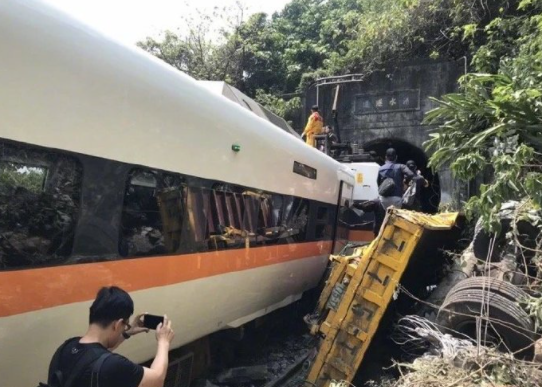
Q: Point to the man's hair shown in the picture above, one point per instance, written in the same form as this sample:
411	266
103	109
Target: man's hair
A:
315	108
111	304
411	163
391	154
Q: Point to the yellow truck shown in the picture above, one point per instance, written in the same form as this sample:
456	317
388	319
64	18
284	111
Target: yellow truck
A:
362	284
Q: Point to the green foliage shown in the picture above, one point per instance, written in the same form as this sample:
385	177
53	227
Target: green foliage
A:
469	30
16	175
495	123
205	51
310	39
281	107
533	305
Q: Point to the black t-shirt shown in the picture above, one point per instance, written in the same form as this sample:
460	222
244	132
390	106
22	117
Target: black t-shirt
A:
116	371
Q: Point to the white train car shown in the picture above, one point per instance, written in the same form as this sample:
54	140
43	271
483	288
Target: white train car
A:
116	168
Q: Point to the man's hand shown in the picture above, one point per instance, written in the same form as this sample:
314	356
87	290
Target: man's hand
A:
156	374
137	325
164	333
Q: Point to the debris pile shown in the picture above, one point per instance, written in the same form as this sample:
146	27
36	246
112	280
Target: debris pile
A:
451	362
484	319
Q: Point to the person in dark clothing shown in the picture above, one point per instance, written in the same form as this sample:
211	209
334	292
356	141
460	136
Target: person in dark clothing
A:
399	173
108	328
417	183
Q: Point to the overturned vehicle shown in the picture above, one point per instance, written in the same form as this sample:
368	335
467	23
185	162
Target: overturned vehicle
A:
486	294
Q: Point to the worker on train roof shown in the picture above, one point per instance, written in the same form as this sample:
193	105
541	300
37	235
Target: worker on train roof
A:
314	126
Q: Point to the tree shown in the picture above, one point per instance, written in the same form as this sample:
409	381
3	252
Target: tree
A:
309	39
496	121
204	51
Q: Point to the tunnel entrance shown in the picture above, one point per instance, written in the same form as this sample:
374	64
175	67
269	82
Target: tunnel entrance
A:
430	196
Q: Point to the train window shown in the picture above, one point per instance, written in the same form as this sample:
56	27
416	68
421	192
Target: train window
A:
320	232
199	213
321	222
29	177
152	214
270	214
270	219
227	206
253	218
322	213
229	216
295	215
305	170
40	194
226	216
277	202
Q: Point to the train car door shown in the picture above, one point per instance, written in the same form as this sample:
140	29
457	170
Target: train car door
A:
342	228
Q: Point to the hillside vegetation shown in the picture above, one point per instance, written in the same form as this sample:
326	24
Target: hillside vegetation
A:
493	122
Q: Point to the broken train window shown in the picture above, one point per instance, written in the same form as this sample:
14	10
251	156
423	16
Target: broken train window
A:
295	217
199	213
276	209
40	193
270	219
323	228
152	213
233	216
226	216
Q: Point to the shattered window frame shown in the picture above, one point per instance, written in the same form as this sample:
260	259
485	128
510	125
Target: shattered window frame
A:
199	213
296	217
322	221
155	228
277	209
39	218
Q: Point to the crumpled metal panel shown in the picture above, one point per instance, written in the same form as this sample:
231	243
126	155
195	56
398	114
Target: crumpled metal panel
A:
444	221
371	276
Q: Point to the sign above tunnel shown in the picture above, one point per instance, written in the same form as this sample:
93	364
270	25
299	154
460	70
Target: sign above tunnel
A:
394	101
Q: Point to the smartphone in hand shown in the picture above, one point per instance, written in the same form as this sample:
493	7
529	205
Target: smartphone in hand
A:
151	321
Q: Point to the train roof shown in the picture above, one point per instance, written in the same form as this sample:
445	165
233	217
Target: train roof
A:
243	100
70	87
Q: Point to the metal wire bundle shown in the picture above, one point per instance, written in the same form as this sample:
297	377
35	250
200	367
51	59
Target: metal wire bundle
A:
453	362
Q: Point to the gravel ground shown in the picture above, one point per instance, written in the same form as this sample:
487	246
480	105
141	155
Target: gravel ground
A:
285	347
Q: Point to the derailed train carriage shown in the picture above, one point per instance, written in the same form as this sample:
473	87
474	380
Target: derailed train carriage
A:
118	169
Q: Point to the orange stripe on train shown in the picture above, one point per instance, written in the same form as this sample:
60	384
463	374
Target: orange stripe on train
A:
33	289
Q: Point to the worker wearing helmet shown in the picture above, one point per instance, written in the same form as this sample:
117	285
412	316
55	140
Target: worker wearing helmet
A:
314	126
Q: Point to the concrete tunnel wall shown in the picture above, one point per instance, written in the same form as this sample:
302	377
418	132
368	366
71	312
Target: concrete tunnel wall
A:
387	109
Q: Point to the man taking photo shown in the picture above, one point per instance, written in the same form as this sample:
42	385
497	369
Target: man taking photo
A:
75	362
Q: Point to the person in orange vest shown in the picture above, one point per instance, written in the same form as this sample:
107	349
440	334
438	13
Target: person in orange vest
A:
314	126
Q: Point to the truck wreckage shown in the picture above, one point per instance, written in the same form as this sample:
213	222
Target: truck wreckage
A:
362	285
416	285
483	296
